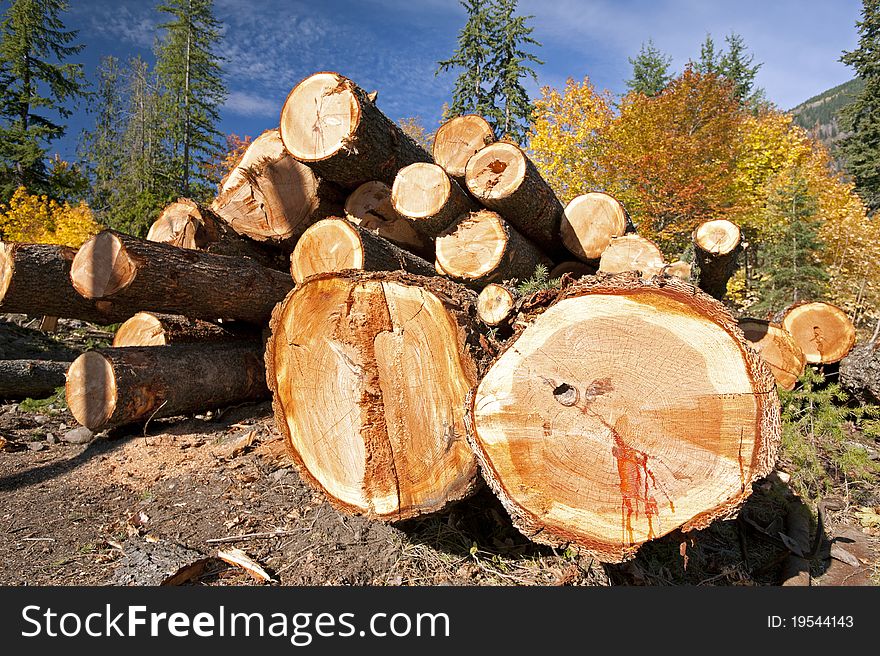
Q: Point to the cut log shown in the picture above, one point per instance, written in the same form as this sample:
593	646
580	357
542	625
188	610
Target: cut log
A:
502	178
116	386
35	280
495	304
624	411
369	373
136	274
778	349
860	372
431	200
335	245
481	247
457	140
156	329
369	206
575	269
590	222
330	123
716	245
36	379
269	196
632	253
680	269
822	330
187	224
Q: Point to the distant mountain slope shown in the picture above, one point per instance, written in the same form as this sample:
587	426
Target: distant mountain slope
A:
820	114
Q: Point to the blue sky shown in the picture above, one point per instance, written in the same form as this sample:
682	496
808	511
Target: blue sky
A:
393	45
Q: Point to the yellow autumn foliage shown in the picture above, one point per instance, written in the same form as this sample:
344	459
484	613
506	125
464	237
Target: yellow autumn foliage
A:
41	220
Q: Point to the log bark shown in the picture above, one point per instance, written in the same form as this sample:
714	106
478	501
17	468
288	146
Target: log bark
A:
136	274
22	379
35	280
860	372
481	247
504	179
369	206
157	329
496	304
632	253
589	223
271	197
625	410
329	123
457	140
187	224
716	245
426	196
823	331
334	245
778	349
369	372
116	386
575	269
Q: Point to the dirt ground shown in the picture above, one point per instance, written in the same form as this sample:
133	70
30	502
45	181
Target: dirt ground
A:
77	514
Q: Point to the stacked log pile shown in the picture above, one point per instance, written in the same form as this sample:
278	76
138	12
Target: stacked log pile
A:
622	405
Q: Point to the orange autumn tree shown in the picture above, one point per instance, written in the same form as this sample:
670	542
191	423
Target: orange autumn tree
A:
670	158
566	137
222	165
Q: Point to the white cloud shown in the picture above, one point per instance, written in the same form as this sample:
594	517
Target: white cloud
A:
251	105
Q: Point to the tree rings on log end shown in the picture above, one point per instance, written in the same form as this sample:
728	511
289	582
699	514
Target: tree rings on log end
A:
458	139
327	246
496	171
823	331
319	117
7	259
369	374
91	390
718	237
632	253
494	304
624	411
778	349
590	222
102	267
474	246
420	190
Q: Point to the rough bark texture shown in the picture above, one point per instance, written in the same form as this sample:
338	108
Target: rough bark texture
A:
716	246
331	124
35	280
589	223
136	274
270	196
21	379
115	386
335	244
504	179
187	224
426	196
457	140
624	410
369	372
369	206
157	329
778	349
823	331
482	247
158	563
860	372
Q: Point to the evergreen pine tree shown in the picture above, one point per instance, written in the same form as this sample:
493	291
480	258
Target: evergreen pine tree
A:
861	148
192	91
101	149
472	93
650	73
512	110
739	67
709	58
791	268
36	85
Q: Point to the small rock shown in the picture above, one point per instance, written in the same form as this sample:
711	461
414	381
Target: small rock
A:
278	474
81	435
36	446
51	439
62	426
41	419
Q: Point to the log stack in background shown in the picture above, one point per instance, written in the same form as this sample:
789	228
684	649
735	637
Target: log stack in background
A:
611	409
